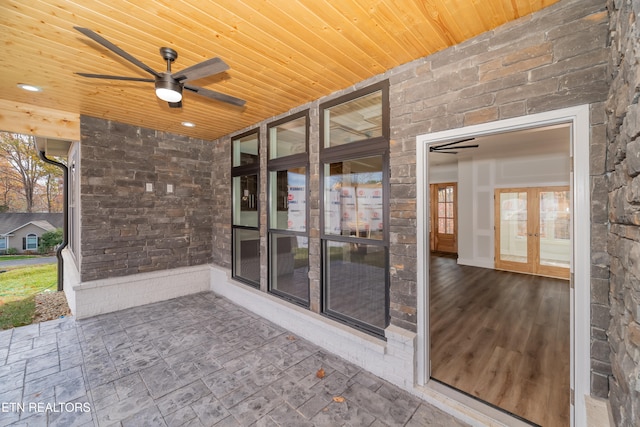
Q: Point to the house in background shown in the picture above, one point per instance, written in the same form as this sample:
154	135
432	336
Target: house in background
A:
315	215
22	231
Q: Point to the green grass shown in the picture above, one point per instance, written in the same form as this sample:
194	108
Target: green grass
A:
18	288
14	257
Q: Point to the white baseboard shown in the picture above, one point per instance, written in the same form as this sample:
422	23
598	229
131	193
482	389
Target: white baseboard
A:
482	263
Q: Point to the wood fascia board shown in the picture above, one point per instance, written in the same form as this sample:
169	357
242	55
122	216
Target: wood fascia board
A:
39	121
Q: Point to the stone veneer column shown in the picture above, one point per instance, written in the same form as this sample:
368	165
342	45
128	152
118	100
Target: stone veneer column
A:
623	167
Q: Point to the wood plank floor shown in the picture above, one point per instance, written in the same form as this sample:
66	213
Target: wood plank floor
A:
502	337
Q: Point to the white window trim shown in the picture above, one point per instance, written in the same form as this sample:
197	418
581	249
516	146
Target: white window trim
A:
27	247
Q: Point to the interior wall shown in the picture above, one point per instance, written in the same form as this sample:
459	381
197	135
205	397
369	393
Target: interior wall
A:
477	179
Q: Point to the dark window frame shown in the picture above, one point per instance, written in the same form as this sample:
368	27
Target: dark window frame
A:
383	87
236	171
279	164
378	146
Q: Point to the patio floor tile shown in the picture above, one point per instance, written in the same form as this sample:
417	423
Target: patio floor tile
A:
198	360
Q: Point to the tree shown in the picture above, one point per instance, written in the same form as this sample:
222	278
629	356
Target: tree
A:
26	175
50	240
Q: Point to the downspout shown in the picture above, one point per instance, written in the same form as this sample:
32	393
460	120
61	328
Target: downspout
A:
65	228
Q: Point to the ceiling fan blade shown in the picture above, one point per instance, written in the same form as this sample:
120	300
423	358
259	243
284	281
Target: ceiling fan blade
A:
202	69
216	95
115	49
454	142
455	148
104	76
175	104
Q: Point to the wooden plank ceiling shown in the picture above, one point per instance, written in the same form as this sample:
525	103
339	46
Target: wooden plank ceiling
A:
282	53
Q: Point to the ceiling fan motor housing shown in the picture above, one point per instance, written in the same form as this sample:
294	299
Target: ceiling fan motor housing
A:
168	89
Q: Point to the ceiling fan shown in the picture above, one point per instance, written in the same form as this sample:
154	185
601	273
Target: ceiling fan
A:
444	148
169	86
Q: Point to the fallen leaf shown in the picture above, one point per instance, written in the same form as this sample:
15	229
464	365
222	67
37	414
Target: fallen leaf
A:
320	373
291	338
338	399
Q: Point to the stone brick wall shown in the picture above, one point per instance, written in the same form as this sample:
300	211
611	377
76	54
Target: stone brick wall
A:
221	199
553	59
623	167
126	230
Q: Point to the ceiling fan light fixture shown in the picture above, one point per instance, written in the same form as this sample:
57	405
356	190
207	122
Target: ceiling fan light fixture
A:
168	90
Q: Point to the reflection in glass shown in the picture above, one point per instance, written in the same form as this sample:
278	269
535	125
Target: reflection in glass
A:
355	120
355	282
288	209
245	200
513	226
245	150
246	248
288	138
289	265
555	243
353	198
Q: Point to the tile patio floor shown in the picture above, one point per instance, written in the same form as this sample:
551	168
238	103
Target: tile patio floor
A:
198	360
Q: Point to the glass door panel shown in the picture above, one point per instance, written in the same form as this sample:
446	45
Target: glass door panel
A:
513	227
443	211
533	230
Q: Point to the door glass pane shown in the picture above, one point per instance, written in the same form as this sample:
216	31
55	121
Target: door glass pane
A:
355	282
555	243
513	226
288	199
449	226
450	194
353	198
290	265
445	210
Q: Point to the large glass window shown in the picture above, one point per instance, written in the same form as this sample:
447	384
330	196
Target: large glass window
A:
356	282
288	199
246	254
354	219
245	150
245	207
354	120
288	138
353	198
245	200
288	211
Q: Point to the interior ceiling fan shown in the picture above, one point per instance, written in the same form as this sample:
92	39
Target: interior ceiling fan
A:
446	147
169	86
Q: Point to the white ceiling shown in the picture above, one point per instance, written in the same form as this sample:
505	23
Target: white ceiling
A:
544	140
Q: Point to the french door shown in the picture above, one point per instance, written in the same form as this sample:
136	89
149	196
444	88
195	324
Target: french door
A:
444	224
532	230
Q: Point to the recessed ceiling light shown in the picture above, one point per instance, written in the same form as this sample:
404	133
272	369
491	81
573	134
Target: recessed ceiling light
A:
30	88
188	124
